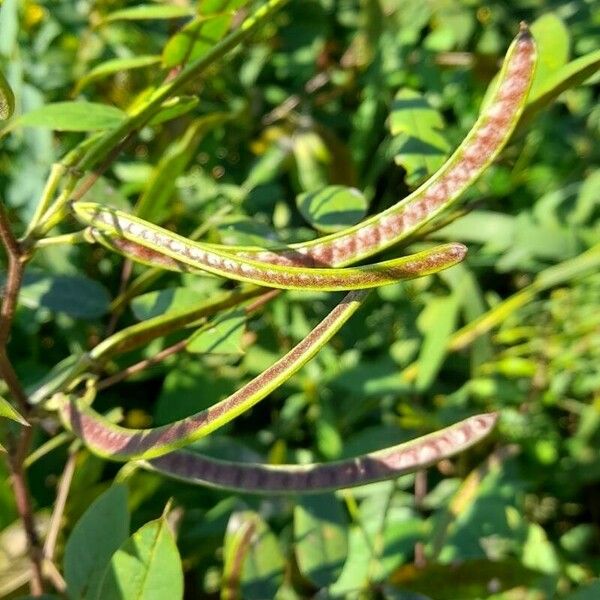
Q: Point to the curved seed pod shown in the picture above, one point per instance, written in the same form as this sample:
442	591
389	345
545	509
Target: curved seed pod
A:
7	99
306	479
480	147
146	242
119	443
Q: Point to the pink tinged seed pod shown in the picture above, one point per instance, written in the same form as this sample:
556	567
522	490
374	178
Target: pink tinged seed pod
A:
375	466
121	443
489	135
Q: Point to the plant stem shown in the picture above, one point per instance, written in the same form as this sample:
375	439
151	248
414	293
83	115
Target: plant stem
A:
177	347
141	365
18	447
59	504
14	278
24	509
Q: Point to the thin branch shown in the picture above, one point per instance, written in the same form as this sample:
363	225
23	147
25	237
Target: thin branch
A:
126	272
420	493
175	348
92	177
14	276
54	577
24	509
59	506
18	448
140	366
7	373
56	212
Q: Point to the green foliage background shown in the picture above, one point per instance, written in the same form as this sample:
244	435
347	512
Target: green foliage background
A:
358	94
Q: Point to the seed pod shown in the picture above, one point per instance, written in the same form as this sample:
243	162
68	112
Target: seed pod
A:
316	478
481	146
150	244
121	444
7	99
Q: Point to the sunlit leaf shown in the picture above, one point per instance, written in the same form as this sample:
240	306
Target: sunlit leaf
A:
437	322
423	147
223	335
553	42
98	533
145	12
146	567
320	534
116	65
75	295
332	208
8	411
202	33
72	116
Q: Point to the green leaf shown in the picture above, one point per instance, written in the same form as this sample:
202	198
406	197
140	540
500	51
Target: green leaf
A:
189	387
7	99
590	591
116	65
250	543
74	295
423	148
195	39
9	412
570	75
321	538
97	535
202	33
173	108
437	321
223	336
313	159
355	575
332	208
467	579
553	43
171	300
153	203
72	116
538	552
146	12
146	567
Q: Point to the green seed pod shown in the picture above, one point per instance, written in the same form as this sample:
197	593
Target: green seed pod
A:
7	99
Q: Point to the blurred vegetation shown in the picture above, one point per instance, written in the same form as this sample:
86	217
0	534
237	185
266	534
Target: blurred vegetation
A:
316	99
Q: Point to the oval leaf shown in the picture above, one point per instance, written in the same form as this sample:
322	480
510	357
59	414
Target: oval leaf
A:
321	538
195	39
438	321
332	208
73	116
422	146
74	295
97	535
223	336
170	300
202	33
553	42
117	65
146	567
